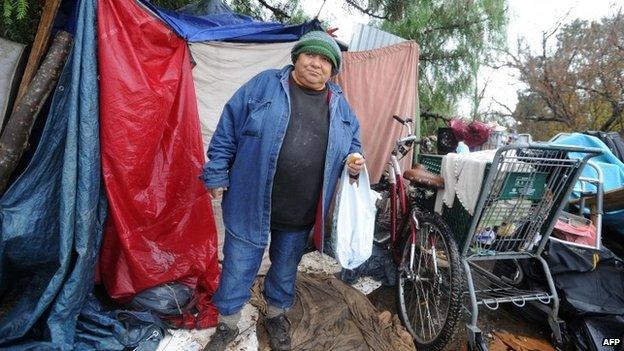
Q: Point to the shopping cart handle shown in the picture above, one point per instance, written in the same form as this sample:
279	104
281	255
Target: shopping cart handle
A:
570	148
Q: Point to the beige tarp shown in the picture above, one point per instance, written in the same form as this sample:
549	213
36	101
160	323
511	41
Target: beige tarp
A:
378	84
222	68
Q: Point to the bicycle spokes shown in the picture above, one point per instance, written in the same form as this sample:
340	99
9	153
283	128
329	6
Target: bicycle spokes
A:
429	284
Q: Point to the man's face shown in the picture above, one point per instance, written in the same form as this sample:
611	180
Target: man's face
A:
312	70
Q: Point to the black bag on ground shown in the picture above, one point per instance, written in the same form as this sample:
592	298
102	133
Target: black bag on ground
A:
169	299
597	333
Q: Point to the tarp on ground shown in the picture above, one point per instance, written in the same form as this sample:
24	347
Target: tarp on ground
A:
160	226
380	83
229	27
222	68
52	216
330	315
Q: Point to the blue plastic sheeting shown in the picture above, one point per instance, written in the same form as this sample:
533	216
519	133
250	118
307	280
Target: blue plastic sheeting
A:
51	217
117	330
229	27
612	169
611	166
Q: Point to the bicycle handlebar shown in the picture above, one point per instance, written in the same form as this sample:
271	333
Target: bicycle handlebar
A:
401	120
408	139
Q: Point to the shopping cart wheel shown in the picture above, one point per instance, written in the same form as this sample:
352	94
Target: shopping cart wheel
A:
480	344
429	285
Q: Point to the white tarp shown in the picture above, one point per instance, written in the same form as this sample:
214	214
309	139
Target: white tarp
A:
222	68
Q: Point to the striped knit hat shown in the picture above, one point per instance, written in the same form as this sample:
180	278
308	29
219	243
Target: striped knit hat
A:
318	42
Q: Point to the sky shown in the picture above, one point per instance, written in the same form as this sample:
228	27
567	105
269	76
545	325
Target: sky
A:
527	19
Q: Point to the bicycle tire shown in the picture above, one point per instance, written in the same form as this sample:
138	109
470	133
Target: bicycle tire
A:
449	281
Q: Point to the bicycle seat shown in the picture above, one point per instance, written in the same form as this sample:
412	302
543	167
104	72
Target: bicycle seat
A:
420	176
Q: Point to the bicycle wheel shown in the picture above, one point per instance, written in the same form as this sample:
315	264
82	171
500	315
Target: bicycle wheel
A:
429	287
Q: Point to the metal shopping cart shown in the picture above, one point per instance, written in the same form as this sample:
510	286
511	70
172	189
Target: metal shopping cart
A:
525	188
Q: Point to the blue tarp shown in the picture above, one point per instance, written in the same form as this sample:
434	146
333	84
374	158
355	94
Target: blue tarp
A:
51	221
611	166
98	329
612	169
229	27
51	217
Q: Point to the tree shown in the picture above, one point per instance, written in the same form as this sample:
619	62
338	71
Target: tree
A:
456	37
284	11
19	19
14	139
389	10
577	84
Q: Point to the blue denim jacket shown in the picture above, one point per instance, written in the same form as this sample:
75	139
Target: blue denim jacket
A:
243	152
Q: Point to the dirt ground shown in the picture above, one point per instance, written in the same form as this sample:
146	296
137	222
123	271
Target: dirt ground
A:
504	321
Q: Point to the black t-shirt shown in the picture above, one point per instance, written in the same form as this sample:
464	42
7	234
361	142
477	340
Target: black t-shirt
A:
299	175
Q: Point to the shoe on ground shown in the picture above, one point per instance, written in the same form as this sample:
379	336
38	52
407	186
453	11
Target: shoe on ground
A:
221	338
279	332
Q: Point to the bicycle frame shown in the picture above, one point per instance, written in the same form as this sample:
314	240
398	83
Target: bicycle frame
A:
398	196
397	190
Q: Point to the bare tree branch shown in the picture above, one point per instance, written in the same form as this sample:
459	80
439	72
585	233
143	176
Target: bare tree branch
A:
275	10
433	115
617	114
369	12
511	113
451	56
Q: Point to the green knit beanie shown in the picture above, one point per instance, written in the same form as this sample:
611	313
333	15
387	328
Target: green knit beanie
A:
318	42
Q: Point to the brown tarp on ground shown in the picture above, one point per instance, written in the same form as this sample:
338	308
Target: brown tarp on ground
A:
378	84
330	315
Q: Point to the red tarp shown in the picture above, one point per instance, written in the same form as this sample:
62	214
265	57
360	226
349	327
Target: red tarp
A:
160	225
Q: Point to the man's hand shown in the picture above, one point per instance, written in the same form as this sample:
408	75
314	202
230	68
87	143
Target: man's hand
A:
355	163
216	193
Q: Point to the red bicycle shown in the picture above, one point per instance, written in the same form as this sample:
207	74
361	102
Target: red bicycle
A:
429	276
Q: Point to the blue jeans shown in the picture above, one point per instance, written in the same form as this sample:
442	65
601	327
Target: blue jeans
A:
241	262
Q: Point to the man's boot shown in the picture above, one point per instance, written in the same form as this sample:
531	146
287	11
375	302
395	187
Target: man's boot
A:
279	332
221	338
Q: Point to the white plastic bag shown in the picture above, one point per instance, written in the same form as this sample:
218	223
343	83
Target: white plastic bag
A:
354	220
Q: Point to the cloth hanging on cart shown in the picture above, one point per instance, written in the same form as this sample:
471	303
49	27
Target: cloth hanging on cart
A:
463	174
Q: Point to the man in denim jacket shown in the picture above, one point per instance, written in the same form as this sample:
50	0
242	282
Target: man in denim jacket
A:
276	156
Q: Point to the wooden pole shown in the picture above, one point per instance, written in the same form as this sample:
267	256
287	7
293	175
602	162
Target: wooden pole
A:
14	139
48	14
